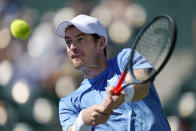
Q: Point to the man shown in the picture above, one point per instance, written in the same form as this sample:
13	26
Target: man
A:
93	106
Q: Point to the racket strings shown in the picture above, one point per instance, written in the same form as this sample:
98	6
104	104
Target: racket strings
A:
151	51
155	42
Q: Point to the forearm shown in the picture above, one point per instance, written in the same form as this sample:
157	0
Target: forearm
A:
70	128
140	90
79	124
136	92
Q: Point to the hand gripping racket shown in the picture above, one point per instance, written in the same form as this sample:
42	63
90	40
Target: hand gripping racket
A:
155	41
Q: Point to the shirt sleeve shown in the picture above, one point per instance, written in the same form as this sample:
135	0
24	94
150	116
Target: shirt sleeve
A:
67	113
138	63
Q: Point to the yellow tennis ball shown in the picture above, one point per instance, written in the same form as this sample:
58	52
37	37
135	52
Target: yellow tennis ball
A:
20	29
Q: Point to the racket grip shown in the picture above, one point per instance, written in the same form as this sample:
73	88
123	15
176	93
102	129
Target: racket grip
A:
118	88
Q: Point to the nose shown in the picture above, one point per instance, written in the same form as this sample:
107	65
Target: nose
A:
73	46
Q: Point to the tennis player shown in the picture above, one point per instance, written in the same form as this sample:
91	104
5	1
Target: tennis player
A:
93	107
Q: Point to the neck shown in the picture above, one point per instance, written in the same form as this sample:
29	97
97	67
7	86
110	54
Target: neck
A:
92	71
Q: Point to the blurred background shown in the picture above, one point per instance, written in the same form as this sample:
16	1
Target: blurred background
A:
35	73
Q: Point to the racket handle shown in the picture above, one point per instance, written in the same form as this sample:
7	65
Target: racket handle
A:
118	88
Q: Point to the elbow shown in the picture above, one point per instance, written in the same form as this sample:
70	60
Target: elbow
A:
146	89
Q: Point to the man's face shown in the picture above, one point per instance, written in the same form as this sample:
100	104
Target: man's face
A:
81	48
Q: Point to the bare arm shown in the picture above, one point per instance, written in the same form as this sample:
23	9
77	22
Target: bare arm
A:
95	114
91	116
141	90
112	101
99	113
69	129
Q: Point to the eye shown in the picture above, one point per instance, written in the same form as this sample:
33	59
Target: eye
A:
80	39
68	42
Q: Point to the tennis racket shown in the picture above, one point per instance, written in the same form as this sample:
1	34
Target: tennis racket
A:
155	41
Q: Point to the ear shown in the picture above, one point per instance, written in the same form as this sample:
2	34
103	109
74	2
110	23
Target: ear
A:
102	43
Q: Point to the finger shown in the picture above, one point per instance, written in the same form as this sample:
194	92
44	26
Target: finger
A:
100	108
106	102
104	110
102	119
109	90
122	94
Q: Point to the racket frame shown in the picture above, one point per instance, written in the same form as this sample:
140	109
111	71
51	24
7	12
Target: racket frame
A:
170	50
129	67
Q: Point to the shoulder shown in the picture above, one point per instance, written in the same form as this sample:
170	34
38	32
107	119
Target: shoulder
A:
122	58
124	52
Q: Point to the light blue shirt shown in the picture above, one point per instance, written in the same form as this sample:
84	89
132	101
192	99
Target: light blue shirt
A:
144	115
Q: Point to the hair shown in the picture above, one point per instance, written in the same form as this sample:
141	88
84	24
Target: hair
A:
96	37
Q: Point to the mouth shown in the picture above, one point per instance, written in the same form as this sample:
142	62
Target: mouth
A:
75	56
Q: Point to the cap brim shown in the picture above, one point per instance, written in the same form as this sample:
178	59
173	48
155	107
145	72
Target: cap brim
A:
61	27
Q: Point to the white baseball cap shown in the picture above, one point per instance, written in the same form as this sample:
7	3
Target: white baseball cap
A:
85	24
